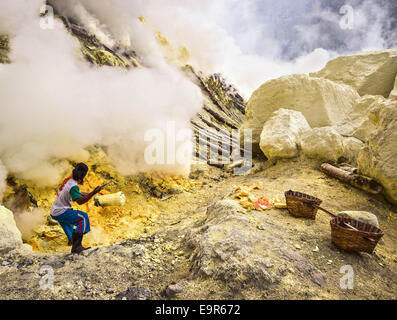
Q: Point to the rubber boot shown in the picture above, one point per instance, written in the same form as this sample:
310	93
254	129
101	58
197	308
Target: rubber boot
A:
76	243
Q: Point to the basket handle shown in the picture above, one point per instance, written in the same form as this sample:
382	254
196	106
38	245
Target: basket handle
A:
334	216
318	207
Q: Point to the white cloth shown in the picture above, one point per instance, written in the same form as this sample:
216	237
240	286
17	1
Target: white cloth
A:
63	200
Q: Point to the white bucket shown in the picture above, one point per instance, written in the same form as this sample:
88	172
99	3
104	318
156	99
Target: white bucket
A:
110	200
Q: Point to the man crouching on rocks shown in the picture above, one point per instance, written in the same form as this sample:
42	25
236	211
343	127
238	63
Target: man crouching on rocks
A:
68	218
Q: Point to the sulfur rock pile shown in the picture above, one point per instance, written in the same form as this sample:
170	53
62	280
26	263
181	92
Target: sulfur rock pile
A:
378	158
370	73
10	236
322	102
346	112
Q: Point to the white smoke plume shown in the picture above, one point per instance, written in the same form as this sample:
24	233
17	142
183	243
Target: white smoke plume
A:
53	104
194	26
248	41
28	221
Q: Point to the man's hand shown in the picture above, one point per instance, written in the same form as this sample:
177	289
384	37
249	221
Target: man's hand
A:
87	196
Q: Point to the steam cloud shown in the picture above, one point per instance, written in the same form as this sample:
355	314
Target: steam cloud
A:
247	41
28	221
53	104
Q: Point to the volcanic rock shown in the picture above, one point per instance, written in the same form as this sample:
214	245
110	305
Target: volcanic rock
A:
362	216
370	73
280	133
10	236
378	158
321	101
322	143
393	94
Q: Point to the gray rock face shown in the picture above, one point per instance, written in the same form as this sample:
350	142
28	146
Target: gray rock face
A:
229	247
362	216
224	250
305	267
223	112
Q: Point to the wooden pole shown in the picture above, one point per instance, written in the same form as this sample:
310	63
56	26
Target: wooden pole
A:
356	180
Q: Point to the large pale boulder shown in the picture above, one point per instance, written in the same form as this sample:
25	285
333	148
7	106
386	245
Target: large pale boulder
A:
325	144
280	133
321	101
359	124
378	159
393	94
370	73
10	236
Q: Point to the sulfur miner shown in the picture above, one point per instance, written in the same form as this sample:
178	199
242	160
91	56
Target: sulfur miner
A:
74	223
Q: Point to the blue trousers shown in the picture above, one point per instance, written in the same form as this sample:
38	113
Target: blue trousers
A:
74	218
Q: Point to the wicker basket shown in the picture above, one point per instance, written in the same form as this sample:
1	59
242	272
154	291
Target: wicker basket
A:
364	240
302	205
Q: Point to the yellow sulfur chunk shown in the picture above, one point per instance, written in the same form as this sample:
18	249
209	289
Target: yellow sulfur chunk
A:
142	19
279	203
246	204
257	185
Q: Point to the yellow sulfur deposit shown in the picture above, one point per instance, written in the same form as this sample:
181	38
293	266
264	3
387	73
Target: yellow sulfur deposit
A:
142	200
249	187
160	38
279	202
246	204
184	54
257	186
241	195
178	56
249	201
142	19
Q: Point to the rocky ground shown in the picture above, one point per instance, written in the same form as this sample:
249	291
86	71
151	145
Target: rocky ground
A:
204	245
